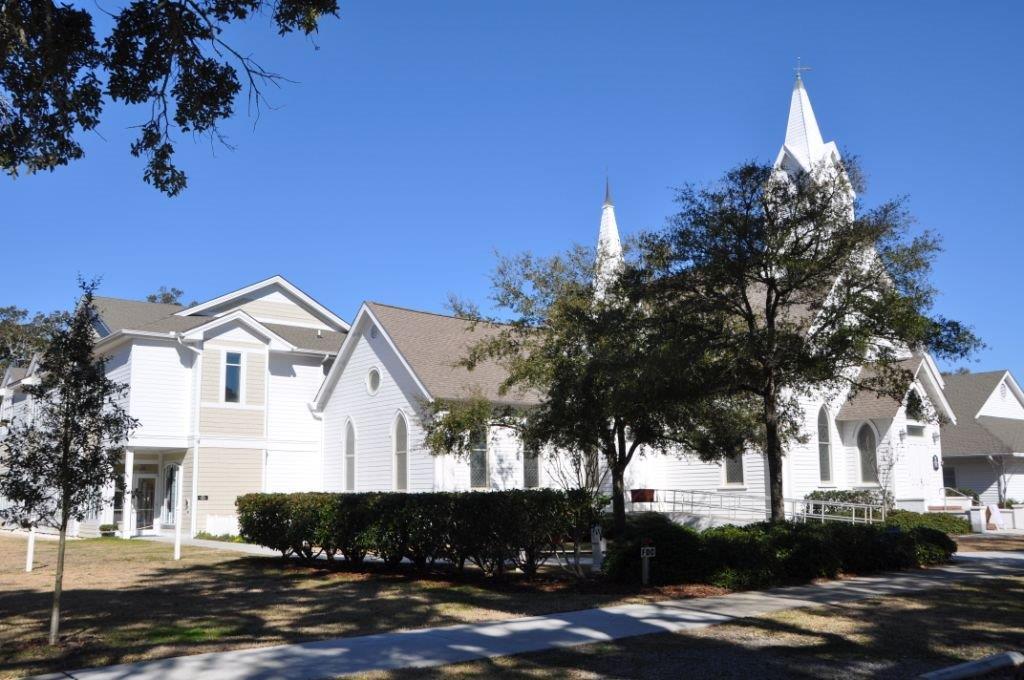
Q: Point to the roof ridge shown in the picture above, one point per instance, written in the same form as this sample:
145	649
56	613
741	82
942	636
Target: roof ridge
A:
443	316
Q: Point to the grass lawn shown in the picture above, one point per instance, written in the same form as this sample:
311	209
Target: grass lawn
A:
128	601
885	637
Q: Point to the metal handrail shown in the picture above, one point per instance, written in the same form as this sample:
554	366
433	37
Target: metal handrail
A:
742	506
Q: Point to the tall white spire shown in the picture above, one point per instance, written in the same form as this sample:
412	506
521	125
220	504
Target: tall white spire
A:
804	144
609	246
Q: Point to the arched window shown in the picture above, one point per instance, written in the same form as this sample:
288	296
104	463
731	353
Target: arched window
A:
350	457
867	447
401	453
824	446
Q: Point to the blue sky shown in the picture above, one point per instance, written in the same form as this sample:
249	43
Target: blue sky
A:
419	138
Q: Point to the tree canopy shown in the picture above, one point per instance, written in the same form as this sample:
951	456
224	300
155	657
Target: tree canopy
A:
57	75
598	366
813	286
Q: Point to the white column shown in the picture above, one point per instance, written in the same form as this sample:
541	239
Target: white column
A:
127	510
178	497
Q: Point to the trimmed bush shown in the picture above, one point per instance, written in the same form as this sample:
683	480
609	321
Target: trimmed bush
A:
769	554
497	530
678	557
946	523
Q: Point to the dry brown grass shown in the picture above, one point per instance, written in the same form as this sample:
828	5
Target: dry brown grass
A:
885	637
128	601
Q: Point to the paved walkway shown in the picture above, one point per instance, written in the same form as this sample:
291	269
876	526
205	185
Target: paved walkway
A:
451	644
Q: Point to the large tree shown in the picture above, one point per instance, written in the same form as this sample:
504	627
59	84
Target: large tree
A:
170	56
814	286
595	368
22	335
56	460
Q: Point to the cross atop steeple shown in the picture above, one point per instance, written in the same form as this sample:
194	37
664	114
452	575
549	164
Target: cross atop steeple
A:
800	69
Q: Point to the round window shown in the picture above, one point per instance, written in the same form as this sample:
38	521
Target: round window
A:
373	381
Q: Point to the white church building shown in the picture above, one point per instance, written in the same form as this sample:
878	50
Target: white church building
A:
265	389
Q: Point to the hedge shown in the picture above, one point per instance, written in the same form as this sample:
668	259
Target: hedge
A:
946	523
767	554
495	530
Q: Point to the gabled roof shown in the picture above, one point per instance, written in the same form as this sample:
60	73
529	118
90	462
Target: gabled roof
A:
12	375
431	346
967	393
117	314
867	405
327	315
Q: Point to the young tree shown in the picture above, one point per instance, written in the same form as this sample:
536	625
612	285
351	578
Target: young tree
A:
812	286
596	368
56	461
169	55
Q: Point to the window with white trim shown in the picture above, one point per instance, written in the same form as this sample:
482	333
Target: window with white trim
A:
232	377
401	453
350	457
734	470
824	446
915	430
867	447
479	476
373	381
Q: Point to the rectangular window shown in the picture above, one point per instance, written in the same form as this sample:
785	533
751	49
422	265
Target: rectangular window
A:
478	473
915	430
949	477
232	377
531	469
734	470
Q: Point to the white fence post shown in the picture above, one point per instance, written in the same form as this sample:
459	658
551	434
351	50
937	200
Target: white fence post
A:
31	552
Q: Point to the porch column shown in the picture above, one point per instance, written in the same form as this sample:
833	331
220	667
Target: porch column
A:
127	505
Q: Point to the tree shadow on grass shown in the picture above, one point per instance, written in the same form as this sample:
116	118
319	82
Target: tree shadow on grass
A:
891	638
252	601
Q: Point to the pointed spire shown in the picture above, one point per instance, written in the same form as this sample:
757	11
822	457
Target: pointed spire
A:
803	137
609	246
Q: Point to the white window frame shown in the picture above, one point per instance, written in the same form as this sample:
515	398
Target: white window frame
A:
536	461
380	380
487	463
350	428
877	484
822	481
726	484
394	450
242	366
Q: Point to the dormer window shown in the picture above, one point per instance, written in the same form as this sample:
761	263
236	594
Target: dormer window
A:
232	377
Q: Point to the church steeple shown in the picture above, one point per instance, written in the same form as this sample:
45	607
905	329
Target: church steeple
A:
609	246
804	145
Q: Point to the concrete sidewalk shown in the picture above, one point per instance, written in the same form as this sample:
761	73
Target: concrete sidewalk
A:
451	644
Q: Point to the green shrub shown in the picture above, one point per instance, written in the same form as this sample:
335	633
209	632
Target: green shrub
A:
496	530
950	524
677	558
932	546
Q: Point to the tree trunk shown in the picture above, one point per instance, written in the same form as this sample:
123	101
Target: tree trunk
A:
773	457
619	499
57	585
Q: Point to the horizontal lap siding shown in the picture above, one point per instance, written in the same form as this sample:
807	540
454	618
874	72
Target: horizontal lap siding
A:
374	417
161	396
225	474
231	422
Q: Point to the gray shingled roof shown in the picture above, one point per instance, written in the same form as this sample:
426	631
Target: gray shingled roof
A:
967	393
433	344
16	373
134	315
867	405
118	314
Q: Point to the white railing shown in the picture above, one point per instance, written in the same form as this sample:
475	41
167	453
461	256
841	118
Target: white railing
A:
744	508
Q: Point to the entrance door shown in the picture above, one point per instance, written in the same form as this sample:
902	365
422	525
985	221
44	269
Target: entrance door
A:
172	477
144	502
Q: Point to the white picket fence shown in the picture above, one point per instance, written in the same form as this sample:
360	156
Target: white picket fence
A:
744	508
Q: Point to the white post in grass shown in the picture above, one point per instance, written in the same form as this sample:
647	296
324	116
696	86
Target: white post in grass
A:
30	556
177	515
